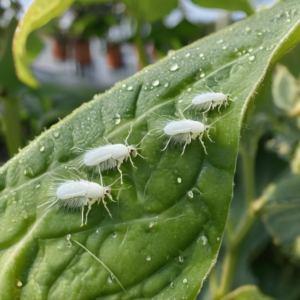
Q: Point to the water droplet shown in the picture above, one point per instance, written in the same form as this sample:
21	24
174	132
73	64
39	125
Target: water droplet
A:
19	283
112	277
201	54
25	215
202	74
145	88
218	238
203	239
247	29
129	88
114	235
184	280
220	41
259	33
166	84
155	82
117	119
151	224
179	180
42	148
224	47
123	85
37	185
56	134
251	58
250	50
172	284
180	259
187	55
189	89
261	47
170	52
20	161
97	231
13	221
25	172
148	258
69	244
68	237
190	194
174	67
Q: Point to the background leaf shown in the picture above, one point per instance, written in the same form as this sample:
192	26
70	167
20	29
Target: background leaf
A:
246	292
164	236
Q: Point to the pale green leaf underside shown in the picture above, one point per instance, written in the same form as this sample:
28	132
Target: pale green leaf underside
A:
33	241
246	292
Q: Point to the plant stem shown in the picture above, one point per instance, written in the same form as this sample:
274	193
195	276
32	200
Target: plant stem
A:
139	45
235	240
248	162
12	126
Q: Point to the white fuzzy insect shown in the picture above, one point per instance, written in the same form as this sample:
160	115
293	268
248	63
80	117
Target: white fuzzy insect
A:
207	101
74	194
183	131
108	156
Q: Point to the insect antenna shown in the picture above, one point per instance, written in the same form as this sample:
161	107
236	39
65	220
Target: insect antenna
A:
126	140
114	181
102	263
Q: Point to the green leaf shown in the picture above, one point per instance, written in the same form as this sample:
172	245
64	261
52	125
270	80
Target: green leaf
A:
164	236
286	91
282	213
246	292
245	5
39	13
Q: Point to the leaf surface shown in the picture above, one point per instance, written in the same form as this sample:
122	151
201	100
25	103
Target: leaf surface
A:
246	292
164	235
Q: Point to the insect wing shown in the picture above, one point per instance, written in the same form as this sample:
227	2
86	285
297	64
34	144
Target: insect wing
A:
98	155
177	127
71	189
203	98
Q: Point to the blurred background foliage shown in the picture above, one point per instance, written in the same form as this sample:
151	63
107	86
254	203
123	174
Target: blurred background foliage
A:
95	44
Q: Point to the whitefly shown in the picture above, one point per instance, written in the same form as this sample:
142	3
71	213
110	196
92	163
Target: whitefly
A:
183	131
206	101
107	157
76	194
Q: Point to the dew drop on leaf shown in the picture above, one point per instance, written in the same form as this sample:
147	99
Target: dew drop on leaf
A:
19	283
148	258
202	74
42	148
184	280
166	84
114	235
190	194
181	259
174	67
56	134
155	82
252	57
179	180
117	119
129	88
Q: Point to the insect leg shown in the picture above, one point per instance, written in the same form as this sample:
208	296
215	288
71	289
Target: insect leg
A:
167	144
118	167
207	132
82	214
89	208
104	203
110	197
200	138
132	162
184	148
